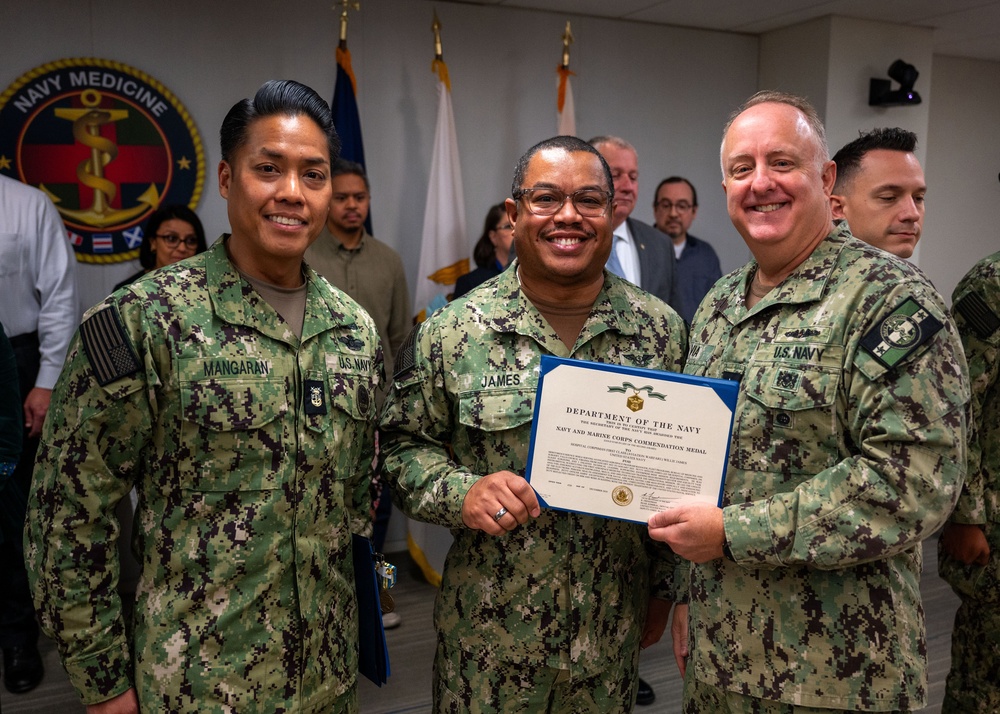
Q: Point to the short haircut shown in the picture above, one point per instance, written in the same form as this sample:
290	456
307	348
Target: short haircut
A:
773	96
566	143
613	141
344	167
676	179
147	258
276	97
848	159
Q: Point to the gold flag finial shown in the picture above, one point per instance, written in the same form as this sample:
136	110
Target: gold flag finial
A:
436	27
567	39
345	5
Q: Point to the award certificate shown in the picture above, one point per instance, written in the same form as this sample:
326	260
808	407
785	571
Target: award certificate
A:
625	442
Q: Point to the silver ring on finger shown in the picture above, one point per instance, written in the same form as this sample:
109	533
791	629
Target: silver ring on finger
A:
500	514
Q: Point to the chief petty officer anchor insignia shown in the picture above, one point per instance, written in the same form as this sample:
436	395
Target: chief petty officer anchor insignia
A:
315	397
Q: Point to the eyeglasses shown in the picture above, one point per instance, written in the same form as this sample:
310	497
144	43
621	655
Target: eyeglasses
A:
549	201
681	206
504	227
171	240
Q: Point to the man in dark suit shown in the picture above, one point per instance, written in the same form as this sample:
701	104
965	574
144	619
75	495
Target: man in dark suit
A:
640	253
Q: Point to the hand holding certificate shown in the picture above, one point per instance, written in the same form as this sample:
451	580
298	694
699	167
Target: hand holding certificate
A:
624	442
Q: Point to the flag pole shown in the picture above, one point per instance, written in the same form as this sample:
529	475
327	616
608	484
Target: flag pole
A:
344	104
565	109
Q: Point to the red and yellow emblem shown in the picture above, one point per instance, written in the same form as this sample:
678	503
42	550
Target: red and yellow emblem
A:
107	143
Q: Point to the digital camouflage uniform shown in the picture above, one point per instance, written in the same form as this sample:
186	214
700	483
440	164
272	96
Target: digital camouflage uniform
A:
251	454
564	591
841	462
974	680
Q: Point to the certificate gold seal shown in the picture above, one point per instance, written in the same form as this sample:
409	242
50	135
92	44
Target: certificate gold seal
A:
634	402
622	495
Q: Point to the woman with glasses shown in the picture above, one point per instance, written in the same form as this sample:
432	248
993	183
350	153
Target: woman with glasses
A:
492	252
172	233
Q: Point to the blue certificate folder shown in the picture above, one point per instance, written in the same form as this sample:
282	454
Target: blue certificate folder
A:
373	657
726	390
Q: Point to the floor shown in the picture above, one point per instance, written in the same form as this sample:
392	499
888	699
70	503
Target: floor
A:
411	648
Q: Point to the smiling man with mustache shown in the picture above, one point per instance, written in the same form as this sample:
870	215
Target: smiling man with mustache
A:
539	611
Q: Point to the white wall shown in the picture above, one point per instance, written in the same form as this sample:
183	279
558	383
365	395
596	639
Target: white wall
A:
860	50
807	75
667	90
963	158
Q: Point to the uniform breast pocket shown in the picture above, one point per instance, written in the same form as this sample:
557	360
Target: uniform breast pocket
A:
353	394
232	433
788	421
497	425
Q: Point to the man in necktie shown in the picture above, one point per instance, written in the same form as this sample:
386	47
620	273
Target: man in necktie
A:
639	253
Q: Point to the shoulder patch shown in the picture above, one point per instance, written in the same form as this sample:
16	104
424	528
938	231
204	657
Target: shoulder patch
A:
978	314
406	358
898	334
108	347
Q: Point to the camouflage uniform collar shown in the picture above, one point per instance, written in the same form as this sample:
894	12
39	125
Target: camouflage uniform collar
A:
234	298
807	283
513	312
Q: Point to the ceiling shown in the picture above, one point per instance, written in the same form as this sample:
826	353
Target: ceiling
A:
962	28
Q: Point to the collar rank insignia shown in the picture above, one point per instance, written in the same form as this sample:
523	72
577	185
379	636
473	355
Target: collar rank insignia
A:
315	397
108	347
900	333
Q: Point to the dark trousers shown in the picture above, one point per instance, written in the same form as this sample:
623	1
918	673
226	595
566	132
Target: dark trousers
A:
18	627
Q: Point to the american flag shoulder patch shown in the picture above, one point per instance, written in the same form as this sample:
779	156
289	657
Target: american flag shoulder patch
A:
978	314
107	345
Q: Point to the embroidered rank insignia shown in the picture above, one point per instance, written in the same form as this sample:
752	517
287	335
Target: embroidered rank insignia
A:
978	314
406	359
787	380
315	397
108	347
899	334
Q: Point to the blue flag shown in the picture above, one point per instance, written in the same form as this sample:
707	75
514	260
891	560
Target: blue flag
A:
345	115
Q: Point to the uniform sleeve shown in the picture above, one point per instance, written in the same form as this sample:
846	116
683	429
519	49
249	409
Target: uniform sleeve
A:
54	270
902	433
416	426
976	308
90	447
401	319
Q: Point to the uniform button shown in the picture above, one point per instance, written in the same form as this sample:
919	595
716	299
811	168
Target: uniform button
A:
783	419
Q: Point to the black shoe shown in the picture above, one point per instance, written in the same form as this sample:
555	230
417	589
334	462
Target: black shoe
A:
22	668
646	695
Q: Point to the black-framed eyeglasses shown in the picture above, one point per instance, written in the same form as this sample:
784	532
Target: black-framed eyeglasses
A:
549	201
504	227
681	206
171	240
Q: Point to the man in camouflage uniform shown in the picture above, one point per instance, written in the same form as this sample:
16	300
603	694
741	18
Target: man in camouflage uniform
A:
970	542
235	391
539	611
848	447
